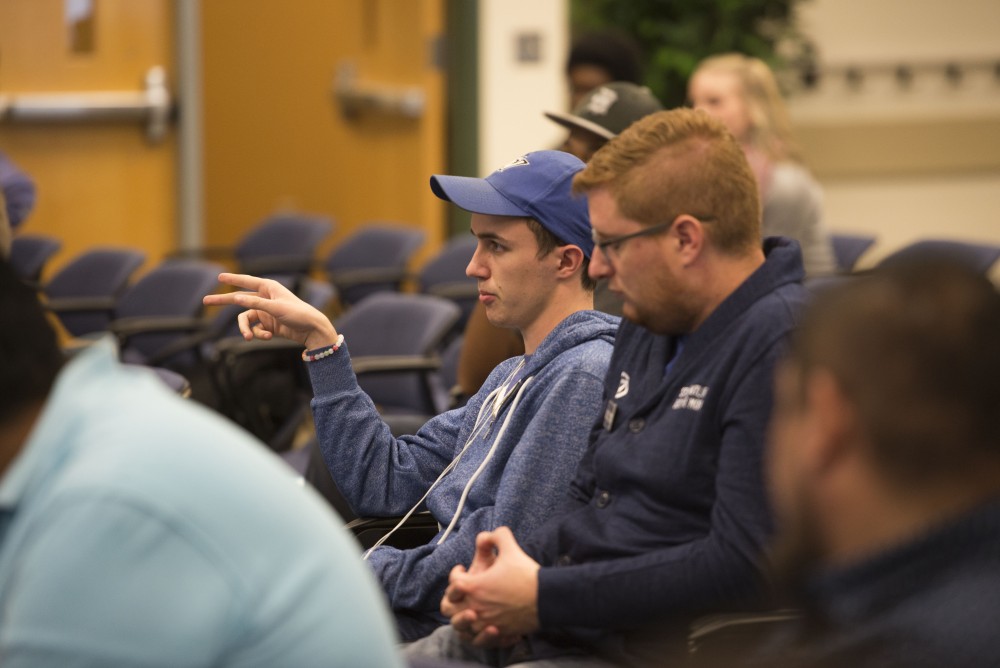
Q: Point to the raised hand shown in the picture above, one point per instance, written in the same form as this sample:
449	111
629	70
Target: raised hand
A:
274	310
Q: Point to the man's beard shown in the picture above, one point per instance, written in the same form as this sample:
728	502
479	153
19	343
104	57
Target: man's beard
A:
673	317
797	547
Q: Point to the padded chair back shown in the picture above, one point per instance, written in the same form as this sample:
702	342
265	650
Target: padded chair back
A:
978	257
373	259
444	275
172	289
97	273
30	252
282	244
848	249
387	324
448	395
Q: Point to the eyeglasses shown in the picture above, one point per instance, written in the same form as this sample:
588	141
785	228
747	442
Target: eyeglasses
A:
614	244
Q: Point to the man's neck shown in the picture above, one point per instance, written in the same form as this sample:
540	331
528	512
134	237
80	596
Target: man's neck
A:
720	277
563	304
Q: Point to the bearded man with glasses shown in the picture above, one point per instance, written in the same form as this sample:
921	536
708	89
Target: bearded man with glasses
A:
666	519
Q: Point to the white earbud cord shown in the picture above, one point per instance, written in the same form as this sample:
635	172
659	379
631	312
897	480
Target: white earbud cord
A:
486	460
494	401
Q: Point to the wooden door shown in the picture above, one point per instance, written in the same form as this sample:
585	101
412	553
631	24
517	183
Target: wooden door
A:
275	136
103	182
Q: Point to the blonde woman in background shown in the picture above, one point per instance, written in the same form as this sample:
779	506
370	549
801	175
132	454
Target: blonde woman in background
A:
742	93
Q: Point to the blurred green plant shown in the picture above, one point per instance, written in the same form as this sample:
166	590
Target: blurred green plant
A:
675	35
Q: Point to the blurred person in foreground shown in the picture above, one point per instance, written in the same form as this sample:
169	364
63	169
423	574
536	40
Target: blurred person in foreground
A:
139	529
884	467
743	93
667	517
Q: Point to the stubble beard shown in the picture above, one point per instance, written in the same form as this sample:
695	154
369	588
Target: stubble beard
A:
797	547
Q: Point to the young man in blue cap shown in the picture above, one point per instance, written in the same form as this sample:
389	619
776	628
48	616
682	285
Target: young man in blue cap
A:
508	455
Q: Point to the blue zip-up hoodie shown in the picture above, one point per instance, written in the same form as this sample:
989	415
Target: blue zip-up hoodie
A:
548	418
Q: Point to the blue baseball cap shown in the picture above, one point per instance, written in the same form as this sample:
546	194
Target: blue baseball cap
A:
537	185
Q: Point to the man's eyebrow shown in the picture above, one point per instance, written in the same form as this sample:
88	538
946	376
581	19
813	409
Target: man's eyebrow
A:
488	236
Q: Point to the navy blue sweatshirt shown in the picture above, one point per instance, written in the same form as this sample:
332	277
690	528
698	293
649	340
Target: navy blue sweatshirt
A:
667	516
929	602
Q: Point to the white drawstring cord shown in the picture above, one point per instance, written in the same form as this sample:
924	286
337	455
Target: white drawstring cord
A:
494	400
486	460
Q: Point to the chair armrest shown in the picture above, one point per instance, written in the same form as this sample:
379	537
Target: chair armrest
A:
236	345
418	530
74	304
729	635
374	364
343	278
455	290
124	328
206	252
276	264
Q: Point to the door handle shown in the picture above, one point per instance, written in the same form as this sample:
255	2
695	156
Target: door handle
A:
152	105
356	98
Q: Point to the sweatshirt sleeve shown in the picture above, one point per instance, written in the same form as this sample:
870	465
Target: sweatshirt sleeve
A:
720	568
533	484
378	474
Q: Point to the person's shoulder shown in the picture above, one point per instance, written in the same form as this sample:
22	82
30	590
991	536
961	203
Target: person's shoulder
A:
589	323
579	330
792	182
936	626
586	335
771	318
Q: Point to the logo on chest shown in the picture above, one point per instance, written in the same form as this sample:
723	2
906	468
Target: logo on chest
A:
622	386
691	397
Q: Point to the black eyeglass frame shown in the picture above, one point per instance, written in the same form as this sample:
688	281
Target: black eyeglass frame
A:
615	242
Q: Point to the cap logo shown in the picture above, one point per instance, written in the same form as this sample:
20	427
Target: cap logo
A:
601	101
516	162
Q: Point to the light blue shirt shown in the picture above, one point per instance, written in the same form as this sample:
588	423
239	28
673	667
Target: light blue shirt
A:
138	529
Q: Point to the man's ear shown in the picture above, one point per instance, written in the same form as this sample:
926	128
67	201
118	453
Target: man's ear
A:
570	260
834	419
688	233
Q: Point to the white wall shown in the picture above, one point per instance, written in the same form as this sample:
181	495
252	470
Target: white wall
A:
890	29
938	183
513	94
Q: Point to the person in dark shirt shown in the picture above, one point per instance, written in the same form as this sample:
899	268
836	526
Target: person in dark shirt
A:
599	57
884	465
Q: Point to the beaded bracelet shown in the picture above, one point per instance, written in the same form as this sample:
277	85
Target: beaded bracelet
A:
325	351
